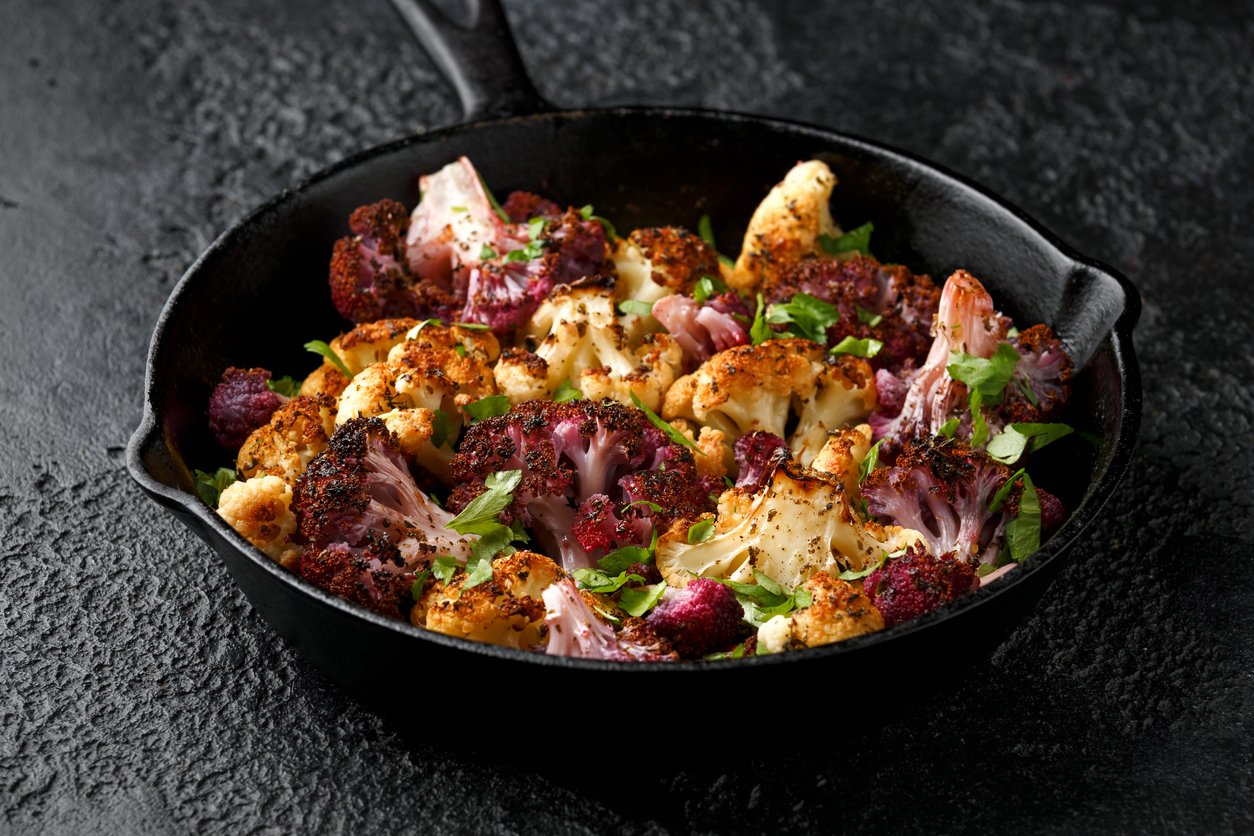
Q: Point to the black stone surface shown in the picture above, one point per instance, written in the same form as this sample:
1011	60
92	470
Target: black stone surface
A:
139	693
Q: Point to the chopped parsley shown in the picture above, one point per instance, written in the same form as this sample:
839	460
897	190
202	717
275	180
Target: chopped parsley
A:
671	433
854	241
868	347
287	386
806	316
489	407
210	486
319	347
567	391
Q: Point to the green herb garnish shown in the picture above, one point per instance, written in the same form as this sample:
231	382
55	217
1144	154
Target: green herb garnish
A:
869	462
854	241
444	567
287	386
586	212
567	391
1008	445
671	433
867	347
1023	533
489	407
441	428
948	428
496	207
807	316
638	601
759	331
486	253
701	531
707	286
319	347
635	307
211	485
868	318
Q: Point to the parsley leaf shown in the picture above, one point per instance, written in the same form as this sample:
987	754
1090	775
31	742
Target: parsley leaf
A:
441	428
988	376
601	583
444	567
641	599
652	506
1003	493
671	433
535	228
869	462
486	253
621	559
420	582
489	407
210	486
319	347
809	316
480	572
948	428
854	241
1023	533
867	348
705	229
701	531
611	235
480	514
760	332
635	307
460	349
868	318
287	386
471	326
706	287
979	427
567	392
496	207
417	329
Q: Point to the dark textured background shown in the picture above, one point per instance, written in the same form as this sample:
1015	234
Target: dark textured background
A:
138	691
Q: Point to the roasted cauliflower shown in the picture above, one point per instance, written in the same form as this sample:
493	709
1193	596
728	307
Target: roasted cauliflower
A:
260	510
581	341
296	433
839	610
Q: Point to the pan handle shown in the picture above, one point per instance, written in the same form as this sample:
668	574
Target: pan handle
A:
480	59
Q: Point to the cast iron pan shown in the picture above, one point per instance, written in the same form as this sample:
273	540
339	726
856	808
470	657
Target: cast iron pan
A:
639	166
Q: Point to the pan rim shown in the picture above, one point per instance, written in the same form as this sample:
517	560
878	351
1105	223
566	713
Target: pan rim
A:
1097	495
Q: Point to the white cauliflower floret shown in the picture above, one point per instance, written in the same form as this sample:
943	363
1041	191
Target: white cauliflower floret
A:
422	377
800	522
758	387
656	262
786	226
844	392
260	510
842	455
838	610
296	433
506	609
368	343
582	341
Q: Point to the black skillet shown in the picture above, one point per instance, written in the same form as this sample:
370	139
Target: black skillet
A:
259	292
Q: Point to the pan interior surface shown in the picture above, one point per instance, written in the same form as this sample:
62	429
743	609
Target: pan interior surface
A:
261	292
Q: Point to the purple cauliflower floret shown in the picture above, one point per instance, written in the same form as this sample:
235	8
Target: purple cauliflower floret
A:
575	629
503	292
965	321
366	525
756	457
704	617
1045	369
240	403
523	206
703	330
861	288
942	490
370	274
581	461
906	587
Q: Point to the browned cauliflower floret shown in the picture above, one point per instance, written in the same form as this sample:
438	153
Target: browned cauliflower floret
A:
841	456
799	522
839	610
844	392
296	433
505	610
656	262
260	510
758	387
581	340
368	343
421	377
786	225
